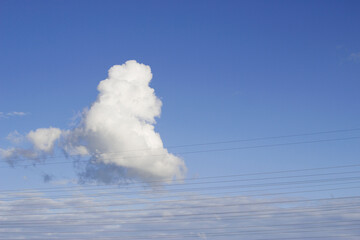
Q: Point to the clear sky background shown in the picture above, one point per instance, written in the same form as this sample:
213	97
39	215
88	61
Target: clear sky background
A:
224	70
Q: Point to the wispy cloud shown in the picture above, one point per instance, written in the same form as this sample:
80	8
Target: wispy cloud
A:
15	137
354	56
12	114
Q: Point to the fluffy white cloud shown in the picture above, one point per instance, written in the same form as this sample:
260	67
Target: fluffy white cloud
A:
117	132
43	139
121	120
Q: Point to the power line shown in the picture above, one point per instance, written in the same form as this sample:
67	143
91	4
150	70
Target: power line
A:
299	225
226	141
225	194
254	185
70	189
193	179
183	207
266	138
249	214
199	199
257	232
202	151
188	191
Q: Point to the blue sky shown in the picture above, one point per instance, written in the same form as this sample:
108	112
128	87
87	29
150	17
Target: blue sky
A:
224	70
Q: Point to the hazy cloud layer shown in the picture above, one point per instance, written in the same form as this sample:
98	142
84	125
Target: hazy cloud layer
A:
116	133
81	215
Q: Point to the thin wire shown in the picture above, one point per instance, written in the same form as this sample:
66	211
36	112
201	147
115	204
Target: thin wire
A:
213	228
157	236
179	217
191	194
186	200
180	190
200	151
266	138
191	183
224	142
181	207
191	179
